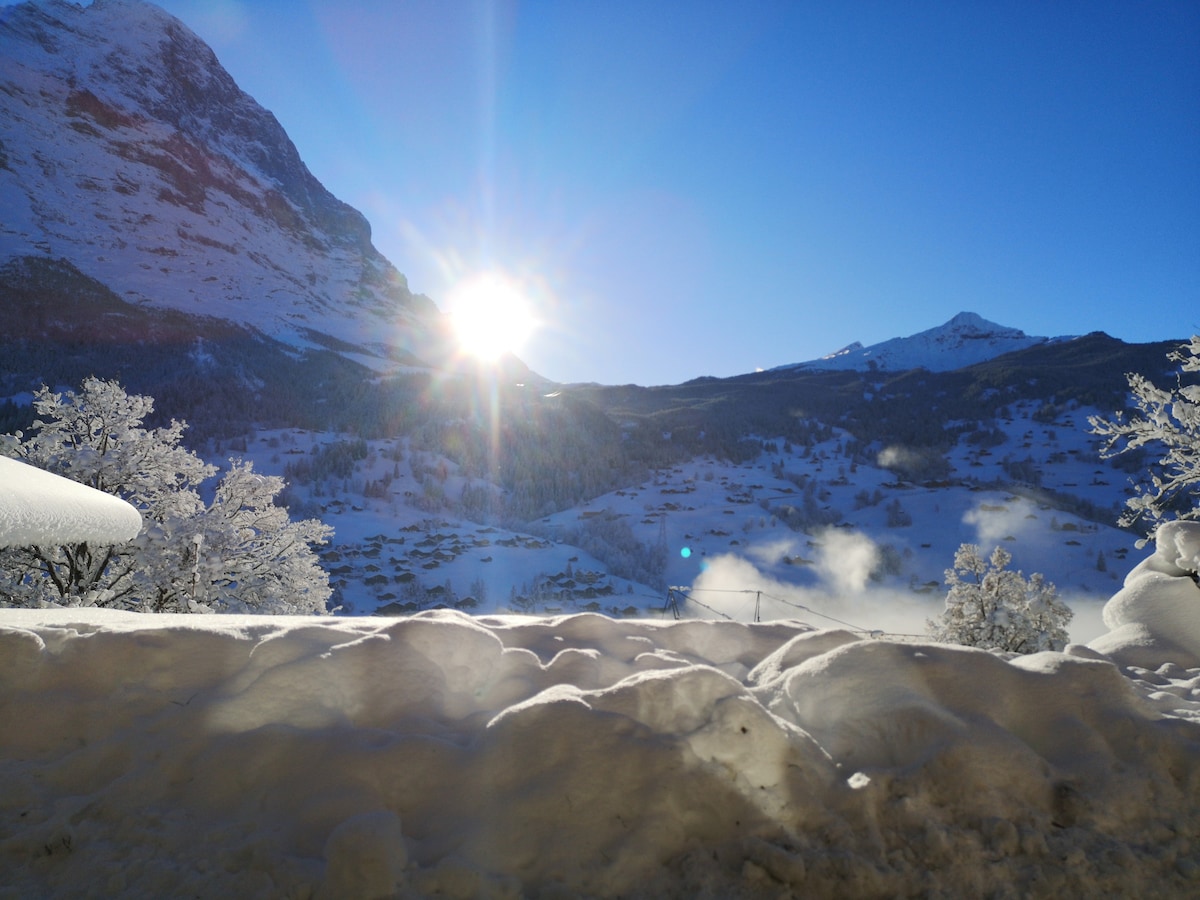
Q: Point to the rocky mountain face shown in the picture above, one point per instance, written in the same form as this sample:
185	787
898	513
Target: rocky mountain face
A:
130	155
965	340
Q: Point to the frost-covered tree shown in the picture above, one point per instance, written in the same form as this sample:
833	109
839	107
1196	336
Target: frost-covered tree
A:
240	553
1170	418
245	555
96	437
992	607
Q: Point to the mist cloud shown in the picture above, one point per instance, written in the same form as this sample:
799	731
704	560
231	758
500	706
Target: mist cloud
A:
843	595
896	457
846	560
994	523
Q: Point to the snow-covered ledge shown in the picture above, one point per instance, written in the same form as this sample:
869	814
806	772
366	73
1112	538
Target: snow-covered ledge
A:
442	755
39	509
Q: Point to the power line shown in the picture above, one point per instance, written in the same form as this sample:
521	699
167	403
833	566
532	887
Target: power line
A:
710	609
816	613
689	595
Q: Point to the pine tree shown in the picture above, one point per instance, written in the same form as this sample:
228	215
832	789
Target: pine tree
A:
991	607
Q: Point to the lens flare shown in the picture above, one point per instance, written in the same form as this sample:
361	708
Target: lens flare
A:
491	315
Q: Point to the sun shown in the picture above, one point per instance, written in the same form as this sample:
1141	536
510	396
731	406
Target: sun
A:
491	316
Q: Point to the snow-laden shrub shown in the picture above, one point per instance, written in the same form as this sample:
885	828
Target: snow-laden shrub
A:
994	608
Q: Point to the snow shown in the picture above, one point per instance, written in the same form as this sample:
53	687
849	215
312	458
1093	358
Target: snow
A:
584	756
1155	617
502	756
966	339
38	508
736	547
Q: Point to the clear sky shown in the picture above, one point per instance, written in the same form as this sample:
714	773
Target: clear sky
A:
700	188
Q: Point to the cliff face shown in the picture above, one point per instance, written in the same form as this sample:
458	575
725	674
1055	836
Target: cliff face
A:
130	153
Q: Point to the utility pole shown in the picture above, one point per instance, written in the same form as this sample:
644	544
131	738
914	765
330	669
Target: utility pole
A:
671	604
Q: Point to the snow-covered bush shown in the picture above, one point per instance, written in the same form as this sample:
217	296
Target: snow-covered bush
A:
240	553
991	607
897	515
1170	418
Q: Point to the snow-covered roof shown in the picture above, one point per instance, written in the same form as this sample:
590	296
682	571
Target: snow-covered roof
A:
38	509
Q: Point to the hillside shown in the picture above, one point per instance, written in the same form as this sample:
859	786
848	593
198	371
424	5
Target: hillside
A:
441	754
130	155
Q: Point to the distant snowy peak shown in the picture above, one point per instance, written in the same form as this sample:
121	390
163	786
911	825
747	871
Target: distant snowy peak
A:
963	341
129	152
845	351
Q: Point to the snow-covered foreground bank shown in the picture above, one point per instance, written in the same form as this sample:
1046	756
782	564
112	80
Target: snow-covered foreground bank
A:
440	755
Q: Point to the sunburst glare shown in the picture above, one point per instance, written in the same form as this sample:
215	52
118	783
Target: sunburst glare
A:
491	316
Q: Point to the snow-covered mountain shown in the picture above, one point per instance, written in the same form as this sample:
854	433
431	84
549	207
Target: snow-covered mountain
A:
129	152
963	341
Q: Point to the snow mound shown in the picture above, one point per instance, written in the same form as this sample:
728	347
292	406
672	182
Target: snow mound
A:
1155	617
579	756
39	509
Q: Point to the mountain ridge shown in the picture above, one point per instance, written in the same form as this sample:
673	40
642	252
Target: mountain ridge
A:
130	152
966	339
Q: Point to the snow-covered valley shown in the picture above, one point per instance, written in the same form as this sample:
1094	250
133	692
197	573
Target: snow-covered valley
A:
402	544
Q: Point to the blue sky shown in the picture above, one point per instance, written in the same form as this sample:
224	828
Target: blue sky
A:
706	188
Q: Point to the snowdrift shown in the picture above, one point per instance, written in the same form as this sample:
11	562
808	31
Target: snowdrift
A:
150	756
1155	617
441	755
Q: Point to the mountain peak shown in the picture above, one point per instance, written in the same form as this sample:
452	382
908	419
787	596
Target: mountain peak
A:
973	323
969	320
966	339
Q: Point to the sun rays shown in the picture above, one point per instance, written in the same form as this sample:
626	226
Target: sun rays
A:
491	317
